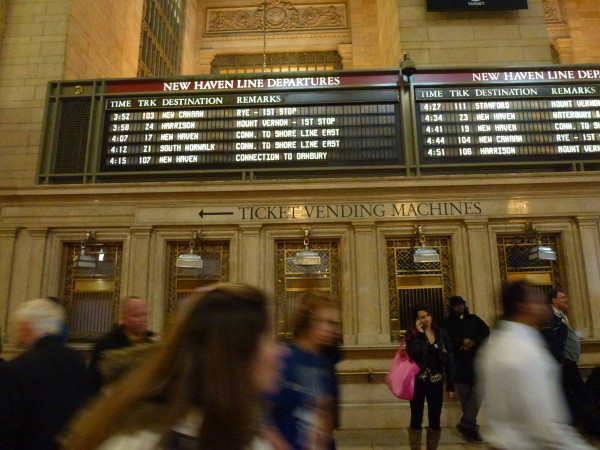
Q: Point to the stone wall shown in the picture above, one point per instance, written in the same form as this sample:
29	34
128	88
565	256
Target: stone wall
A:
3	13
33	52
77	39
389	36
103	39
583	21
478	38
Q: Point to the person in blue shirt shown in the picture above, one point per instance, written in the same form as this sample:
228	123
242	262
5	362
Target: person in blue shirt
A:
303	412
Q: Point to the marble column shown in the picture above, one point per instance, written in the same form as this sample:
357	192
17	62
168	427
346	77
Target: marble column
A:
368	311
483	301
7	251
589	229
249	257
139	260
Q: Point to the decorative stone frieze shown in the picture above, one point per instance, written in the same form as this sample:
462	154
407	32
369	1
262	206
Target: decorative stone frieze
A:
552	12
278	16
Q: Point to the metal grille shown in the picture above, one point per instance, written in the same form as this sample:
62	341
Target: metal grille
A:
513	257
183	281
276	62
72	135
292	280
91	296
411	283
162	35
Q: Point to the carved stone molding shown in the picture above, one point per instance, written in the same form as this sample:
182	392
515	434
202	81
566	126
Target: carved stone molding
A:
278	16
552	12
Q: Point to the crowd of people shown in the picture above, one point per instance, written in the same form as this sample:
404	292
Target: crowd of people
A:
217	380
525	369
220	380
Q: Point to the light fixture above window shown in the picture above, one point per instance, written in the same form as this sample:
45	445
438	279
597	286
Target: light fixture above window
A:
84	260
539	252
424	254
307	257
191	260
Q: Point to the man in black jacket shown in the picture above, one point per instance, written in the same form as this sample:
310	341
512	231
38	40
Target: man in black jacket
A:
467	332
132	330
563	343
42	388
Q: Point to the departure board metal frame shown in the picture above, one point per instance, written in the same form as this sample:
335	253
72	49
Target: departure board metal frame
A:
508	115
370	121
237	124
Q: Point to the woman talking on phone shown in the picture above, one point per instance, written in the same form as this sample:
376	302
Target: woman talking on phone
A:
428	346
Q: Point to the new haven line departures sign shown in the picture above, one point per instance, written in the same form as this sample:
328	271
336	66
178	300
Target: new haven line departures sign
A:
258	122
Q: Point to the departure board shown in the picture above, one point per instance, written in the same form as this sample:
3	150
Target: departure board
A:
264	129
474	5
543	119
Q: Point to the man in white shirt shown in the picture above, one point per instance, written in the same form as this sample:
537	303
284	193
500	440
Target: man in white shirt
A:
520	379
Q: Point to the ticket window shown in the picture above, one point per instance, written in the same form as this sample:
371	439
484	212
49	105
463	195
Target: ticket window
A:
91	295
413	283
293	280
184	281
514	262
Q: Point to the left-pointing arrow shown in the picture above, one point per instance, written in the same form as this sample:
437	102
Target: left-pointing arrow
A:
202	213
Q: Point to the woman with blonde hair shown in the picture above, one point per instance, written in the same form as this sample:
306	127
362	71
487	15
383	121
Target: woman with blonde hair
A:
202	387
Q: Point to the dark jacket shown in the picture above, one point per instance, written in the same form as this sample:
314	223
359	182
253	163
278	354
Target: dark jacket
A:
111	341
555	335
416	347
40	391
468	327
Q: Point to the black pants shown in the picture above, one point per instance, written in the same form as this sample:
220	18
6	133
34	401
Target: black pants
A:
434	393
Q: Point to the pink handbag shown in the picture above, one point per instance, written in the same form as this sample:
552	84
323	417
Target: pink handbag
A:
401	376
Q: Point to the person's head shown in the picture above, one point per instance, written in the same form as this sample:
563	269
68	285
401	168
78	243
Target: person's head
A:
134	315
423	313
35	319
457	305
558	298
227	334
316	320
219	357
522	303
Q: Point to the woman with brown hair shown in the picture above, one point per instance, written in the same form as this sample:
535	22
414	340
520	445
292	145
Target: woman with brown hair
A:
429	346
202	387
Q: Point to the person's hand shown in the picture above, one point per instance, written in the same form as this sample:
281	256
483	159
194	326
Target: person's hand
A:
419	326
450	394
467	344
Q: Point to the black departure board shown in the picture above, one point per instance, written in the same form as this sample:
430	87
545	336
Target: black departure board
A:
546	116
474	5
271	128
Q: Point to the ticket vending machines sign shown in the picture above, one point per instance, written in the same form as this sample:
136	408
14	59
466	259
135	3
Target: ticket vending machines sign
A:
474	5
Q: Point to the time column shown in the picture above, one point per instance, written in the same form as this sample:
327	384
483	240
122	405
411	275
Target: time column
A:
433	130
119	138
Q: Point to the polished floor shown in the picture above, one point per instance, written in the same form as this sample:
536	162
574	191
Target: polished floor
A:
397	439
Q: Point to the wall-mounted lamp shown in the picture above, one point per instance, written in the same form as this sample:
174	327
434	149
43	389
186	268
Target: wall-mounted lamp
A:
85	260
191	260
424	254
540	251
307	257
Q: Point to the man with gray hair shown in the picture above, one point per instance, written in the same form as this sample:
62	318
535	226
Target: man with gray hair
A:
43	387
